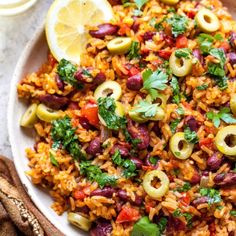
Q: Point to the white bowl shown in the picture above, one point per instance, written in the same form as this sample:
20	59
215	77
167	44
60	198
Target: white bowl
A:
32	57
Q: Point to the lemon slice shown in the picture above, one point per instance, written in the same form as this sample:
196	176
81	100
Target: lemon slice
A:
66	25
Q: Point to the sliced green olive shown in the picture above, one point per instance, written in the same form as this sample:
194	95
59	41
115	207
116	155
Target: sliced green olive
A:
233	103
207	21
153	192
120	45
161	99
108	88
180	66
135	116
120	111
225	140
29	118
170	2
79	221
47	114
160	115
180	147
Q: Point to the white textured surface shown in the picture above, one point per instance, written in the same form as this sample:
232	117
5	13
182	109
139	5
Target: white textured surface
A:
15	32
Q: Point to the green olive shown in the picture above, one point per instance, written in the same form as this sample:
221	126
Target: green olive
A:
225	140
233	103
120	111
180	66
47	114
153	192
119	45
108	88
79	221
160	114
161	99
170	2
29	118
180	147
207	21
137	117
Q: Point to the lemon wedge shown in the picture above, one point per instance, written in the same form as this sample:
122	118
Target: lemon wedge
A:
66	25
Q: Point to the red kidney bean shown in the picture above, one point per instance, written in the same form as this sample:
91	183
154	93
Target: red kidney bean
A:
148	35
136	24
138	200
200	200
214	162
124	151
192	123
198	55
174	224
73	106
232	58
103	30
138	163
170	41
226	179
147	162
84	209
139	132
122	194
115	2
205	173
102	228
195	178
94	147
59	82
135	82
99	78
232	39
105	192
53	101
85	123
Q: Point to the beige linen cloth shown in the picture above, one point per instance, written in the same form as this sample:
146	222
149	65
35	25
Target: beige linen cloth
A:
18	215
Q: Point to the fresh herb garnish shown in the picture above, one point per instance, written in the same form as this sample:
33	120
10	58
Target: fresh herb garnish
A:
232	213
202	87
190	136
159	26
63	134
205	42
129	139
183	52
66	72
154	81
53	159
212	194
140	3
134	51
106	109
153	160
128	165
180	111
174	124
176	90
185	187
223	114
94	173
178	24
145	109
188	217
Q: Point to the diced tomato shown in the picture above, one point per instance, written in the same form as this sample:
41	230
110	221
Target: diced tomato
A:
165	54
128	214
208	142
149	205
191	14
185	199
181	41
52	61
225	46
90	111
124	29
148	168
133	71
79	194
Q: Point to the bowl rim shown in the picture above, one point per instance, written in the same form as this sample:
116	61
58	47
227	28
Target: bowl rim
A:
28	185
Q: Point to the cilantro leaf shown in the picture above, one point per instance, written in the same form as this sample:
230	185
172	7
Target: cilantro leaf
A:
145	228
146	109
233	213
180	111
53	159
212	194
174	124
154	81
94	173
205	42
66	72
134	51
106	109
185	187
183	52
140	3
223	114
202	87
176	90
219	54
188	217
190	136
178	24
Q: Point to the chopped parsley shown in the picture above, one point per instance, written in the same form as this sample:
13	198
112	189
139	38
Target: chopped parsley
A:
180	111
144	227
159	26
178	24
94	173
212	194
129	139
146	109
233	213
174	124
223	114
176	90
202	87
190	136
139	4
128	165
188	217
153	160
63	133
187	186
106	109
134	51
53	159
66	72
154	81
183	52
